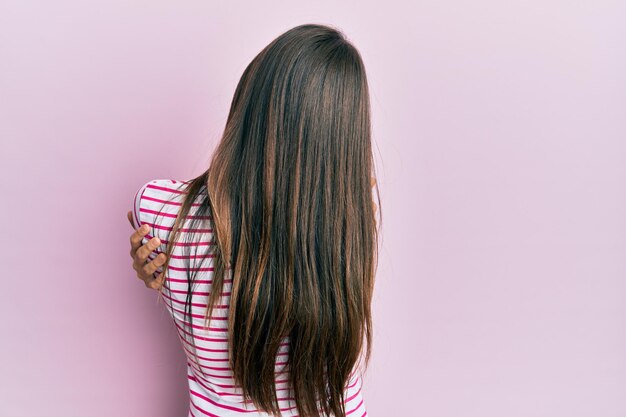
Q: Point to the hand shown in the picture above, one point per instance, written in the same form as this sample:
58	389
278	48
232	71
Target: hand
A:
139	253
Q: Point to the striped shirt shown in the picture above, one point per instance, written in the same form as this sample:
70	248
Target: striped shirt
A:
212	389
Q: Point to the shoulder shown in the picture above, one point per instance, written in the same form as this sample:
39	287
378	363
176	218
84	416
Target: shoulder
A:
161	187
157	203
155	194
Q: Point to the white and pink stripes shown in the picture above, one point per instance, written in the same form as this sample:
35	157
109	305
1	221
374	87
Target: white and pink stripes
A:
212	390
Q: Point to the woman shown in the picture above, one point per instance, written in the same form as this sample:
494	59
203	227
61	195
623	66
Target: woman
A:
266	260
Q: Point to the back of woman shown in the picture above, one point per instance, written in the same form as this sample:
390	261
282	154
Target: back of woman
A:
271	252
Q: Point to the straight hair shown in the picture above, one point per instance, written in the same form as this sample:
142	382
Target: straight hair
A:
289	195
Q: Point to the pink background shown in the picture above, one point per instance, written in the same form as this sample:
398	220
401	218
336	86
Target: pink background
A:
500	132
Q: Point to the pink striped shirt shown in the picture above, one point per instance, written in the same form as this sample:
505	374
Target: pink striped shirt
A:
212	390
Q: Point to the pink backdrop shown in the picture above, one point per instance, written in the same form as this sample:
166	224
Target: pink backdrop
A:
500	132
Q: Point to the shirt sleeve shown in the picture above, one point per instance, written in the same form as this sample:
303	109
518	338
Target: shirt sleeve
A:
141	211
138	220
156	204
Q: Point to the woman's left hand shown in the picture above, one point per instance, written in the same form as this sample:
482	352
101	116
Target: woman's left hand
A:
139	253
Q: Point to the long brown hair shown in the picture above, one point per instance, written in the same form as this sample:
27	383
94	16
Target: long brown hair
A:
289	194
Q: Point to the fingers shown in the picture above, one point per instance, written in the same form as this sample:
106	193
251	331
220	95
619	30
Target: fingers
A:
149	273
155	283
136	237
144	251
150	268
147	270
141	255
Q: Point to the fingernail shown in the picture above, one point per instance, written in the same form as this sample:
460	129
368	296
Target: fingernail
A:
144	228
